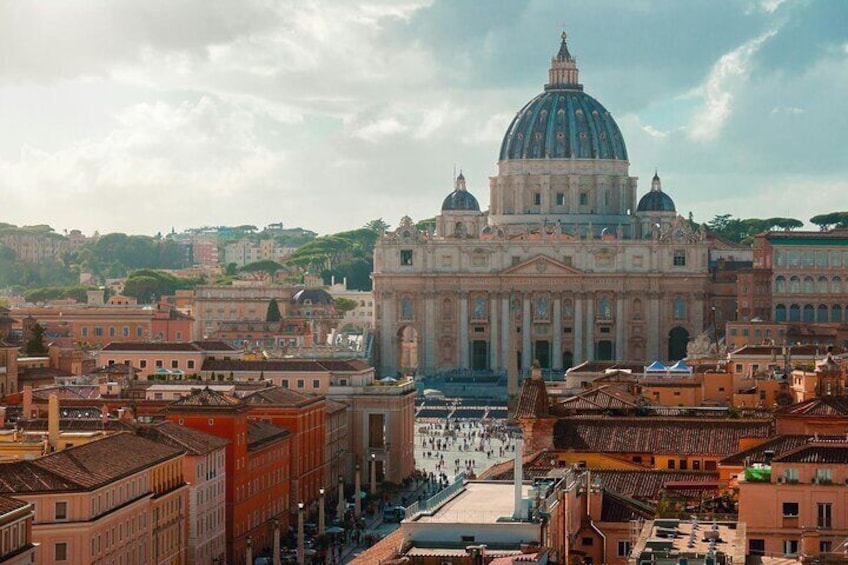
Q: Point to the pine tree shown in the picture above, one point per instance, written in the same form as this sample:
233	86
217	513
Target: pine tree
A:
273	314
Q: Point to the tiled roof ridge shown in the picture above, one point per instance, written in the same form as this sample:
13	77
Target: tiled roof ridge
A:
640	506
773	441
34	463
811	443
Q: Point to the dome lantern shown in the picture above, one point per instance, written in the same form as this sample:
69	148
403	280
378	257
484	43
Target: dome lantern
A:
563	73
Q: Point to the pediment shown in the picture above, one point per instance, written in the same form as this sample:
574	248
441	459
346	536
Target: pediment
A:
541	265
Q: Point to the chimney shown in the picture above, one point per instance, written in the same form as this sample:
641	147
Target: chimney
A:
27	402
517	513
53	421
104	414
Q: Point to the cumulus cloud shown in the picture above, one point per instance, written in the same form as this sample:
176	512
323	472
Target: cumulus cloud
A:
717	90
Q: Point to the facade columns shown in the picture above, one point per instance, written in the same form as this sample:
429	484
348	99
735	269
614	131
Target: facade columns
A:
506	332
557	337
493	332
619	326
388	341
579	346
526	346
654	338
429	337
590	327
462	346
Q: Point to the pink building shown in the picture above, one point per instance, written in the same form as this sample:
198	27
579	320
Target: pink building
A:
204	467
800	508
118	499
166	358
16	546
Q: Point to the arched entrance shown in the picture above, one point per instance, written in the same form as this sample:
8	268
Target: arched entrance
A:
678	338
604	351
407	350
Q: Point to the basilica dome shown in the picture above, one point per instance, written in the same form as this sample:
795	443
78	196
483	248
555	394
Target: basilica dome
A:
460	199
563	122
656	200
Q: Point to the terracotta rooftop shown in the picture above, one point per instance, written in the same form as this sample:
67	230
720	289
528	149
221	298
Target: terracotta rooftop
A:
86	466
334	406
67	392
279	396
817	453
807	350
195	346
9	504
103	461
681	436
206	398
618	508
286	365
382	551
532	399
606	397
192	441
757	454
649	484
821	406
260	434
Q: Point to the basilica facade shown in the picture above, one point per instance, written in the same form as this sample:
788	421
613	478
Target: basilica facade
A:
566	265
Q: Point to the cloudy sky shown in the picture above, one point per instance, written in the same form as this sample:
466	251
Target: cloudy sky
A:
120	115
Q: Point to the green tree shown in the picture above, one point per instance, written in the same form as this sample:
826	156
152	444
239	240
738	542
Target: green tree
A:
378	226
267	266
273	314
830	220
35	344
345	304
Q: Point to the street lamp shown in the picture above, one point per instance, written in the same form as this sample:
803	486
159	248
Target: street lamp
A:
373	474
357	502
248	550
300	552
321	511
341	510
276	543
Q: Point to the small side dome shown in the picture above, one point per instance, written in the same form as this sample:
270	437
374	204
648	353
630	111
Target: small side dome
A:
312	296
460	199
656	200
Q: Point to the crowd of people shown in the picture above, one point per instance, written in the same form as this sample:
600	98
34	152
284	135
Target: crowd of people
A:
463	445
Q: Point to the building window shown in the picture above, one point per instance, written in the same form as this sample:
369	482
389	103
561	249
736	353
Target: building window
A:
757	546
790	509
406	257
175	364
179	336
623	548
406	308
824	476
190	364
139	331
142	364
584	199
98	331
537	199
285	384
60	552
85	331
125	331
790	547
604	308
61	511
679	308
112	331
587	541
560	199
159	364
679	258
316	383
824	514
300	383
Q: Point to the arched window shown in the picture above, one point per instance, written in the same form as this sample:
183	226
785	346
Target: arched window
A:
794	313
821	313
809	285
835	259
447	309
809	313
780	284
821	285
567	308
637	309
794	284
479	311
604	308
836	313
836	285
679	307
459	229
542	308
406	308
780	313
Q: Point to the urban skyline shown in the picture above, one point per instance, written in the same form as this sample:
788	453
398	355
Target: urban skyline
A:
306	104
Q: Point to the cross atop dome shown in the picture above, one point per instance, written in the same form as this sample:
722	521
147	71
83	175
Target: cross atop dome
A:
563	73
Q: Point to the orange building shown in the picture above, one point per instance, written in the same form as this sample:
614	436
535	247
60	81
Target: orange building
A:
257	462
16	547
165	359
305	417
